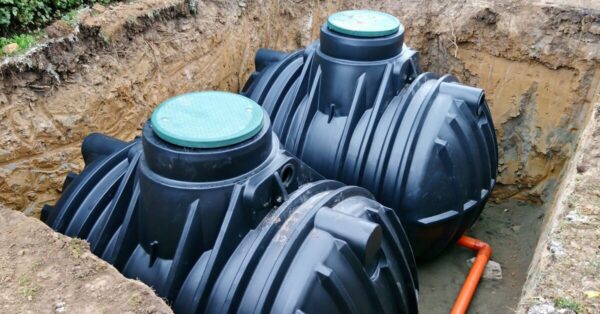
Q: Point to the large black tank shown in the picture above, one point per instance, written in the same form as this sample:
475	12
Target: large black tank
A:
356	107
207	204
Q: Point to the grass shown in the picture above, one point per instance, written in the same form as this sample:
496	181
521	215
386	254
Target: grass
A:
564	303
28	289
572	200
24	41
71	17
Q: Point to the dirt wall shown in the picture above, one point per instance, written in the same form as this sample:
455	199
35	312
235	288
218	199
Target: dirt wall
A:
569	241
538	62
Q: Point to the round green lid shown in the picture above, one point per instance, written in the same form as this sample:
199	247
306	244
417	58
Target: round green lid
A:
363	23
207	119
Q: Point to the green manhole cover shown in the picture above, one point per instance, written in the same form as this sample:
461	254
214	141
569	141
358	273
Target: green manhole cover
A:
207	119
363	23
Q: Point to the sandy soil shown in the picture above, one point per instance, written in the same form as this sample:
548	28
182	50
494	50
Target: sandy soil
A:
42	271
565	273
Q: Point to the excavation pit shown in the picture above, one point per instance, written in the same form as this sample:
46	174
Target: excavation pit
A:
537	61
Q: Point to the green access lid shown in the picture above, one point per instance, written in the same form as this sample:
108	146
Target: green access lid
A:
207	119
363	23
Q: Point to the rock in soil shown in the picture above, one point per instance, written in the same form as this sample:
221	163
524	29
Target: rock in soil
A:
10	48
493	270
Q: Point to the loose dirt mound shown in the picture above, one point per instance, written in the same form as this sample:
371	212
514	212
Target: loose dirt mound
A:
42	271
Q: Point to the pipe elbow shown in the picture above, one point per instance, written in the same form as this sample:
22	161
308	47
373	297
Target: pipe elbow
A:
476	245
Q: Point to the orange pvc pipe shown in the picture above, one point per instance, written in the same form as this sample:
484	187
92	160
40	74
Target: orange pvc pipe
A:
484	251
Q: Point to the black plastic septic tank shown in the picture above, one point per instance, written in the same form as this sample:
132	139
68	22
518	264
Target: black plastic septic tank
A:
329	249
356	107
208	177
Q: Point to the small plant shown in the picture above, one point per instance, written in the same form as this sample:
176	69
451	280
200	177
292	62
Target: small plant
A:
565	303
71	17
28	289
572	200
24	41
76	249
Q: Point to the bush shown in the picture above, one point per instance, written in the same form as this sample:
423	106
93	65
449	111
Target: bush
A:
18	16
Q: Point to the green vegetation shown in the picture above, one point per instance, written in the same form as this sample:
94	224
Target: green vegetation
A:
22	20
24	41
564	303
20	16
28	289
71	17
76	248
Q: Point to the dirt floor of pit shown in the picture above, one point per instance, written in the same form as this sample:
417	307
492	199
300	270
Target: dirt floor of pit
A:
42	271
512	229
